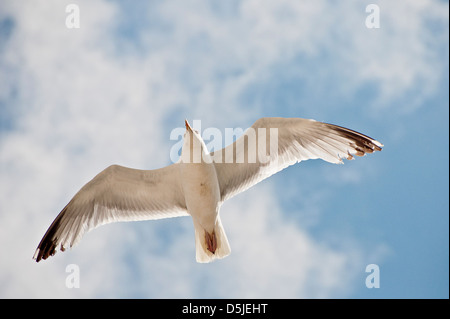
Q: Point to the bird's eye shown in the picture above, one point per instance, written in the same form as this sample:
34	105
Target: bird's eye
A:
196	131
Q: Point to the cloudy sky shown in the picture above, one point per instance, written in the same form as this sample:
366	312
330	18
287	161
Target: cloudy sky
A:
75	100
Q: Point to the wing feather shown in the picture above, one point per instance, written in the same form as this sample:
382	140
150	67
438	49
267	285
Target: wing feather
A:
297	140
116	194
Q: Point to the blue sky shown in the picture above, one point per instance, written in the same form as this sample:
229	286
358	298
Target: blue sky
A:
74	101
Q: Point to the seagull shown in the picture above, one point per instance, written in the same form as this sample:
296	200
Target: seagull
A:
200	181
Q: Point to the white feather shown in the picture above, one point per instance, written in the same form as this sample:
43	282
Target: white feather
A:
199	183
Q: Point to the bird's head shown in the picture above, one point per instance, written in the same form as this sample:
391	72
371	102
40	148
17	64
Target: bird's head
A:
193	145
191	131
188	126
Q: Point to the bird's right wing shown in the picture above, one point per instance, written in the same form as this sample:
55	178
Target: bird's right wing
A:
272	144
116	194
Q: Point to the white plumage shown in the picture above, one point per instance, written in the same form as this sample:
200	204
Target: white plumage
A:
200	181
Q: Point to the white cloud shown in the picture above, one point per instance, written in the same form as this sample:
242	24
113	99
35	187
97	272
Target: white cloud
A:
84	104
275	258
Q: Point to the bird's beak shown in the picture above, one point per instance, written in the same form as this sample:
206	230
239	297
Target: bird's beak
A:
188	127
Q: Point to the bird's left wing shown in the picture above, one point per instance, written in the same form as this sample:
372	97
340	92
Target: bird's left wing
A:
116	194
271	144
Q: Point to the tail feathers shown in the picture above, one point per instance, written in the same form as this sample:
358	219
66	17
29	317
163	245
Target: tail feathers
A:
202	254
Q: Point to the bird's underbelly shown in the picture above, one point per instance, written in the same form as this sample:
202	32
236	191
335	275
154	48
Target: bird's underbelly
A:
201	191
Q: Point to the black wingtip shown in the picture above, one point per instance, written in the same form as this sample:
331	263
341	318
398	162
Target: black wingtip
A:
362	143
45	250
47	246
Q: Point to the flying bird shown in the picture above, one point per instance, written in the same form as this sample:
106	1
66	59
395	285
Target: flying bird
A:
200	181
